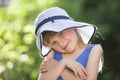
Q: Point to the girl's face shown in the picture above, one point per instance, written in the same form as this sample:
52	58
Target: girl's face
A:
64	42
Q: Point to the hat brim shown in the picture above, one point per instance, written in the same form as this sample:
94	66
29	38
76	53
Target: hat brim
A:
85	30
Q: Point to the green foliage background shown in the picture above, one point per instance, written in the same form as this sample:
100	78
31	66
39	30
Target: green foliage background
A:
19	57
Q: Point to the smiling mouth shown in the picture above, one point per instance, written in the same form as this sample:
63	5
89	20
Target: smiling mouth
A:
65	47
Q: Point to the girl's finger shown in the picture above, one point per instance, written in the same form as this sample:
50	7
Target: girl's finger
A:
81	73
84	70
44	62
76	74
43	69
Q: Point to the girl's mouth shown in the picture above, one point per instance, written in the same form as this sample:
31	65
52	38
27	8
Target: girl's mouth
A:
65	47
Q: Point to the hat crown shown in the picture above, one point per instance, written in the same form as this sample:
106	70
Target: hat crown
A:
54	11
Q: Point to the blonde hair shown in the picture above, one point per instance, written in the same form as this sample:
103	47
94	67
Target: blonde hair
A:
79	37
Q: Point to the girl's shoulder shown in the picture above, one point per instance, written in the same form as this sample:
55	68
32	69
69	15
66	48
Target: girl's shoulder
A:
96	46
97	49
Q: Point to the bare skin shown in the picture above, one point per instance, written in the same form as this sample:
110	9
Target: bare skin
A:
68	68
91	68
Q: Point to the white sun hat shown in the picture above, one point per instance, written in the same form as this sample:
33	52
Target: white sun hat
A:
56	19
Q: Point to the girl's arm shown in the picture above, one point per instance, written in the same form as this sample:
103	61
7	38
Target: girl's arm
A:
93	62
74	71
61	69
69	75
93	65
53	70
49	65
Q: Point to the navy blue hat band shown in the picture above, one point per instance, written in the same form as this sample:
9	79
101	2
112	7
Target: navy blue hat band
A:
50	19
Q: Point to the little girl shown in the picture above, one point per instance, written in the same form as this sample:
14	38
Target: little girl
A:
65	45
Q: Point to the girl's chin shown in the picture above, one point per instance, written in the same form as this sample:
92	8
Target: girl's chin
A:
69	52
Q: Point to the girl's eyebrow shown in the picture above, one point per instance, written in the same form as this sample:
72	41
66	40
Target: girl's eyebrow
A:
57	34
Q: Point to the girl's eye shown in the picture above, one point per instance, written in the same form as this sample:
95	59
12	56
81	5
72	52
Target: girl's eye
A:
60	33
54	42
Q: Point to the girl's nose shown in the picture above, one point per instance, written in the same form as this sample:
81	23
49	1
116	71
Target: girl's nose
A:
60	42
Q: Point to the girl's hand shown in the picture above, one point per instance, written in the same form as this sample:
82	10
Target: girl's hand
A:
43	67
77	68
47	64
